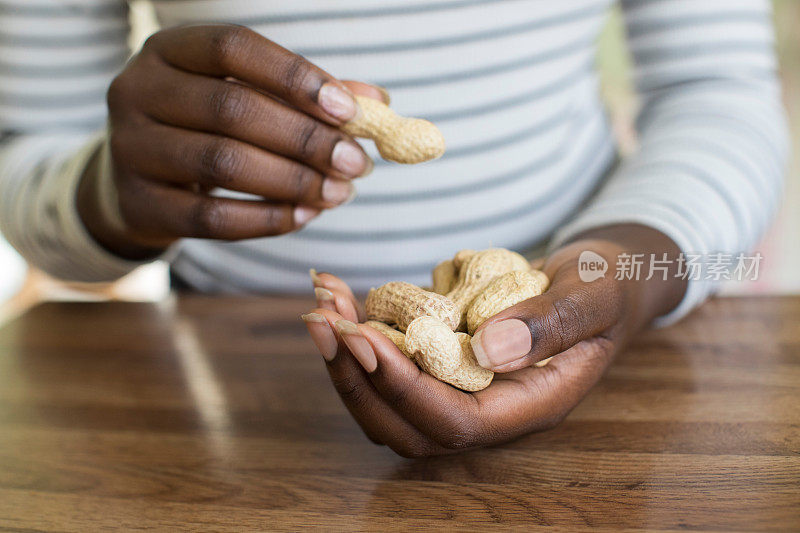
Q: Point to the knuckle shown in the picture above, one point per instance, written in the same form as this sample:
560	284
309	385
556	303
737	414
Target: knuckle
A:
294	74
134	85
277	220
459	433
207	218
458	441
226	44
397	396
568	312
130	199
220	161
118	92
152	42
565	318
308	138
118	145
351	392
301	183
547	332
229	104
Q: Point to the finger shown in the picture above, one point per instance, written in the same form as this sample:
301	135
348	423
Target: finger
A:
166	153
321	333
376	418
336	285
236	51
546	325
538	263
336	300
160	211
327	343
236	111
441	412
325	298
340	303
368	90
345	305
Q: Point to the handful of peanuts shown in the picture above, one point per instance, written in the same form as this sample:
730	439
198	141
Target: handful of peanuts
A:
434	328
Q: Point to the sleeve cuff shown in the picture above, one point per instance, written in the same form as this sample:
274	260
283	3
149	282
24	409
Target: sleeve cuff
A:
91	262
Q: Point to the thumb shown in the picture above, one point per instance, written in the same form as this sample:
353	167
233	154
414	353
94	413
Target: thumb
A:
541	327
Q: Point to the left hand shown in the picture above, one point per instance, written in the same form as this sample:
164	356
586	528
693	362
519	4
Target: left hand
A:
583	324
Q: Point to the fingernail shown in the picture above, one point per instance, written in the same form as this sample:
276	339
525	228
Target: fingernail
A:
337	102
501	342
359	346
321	334
303	214
369	169
349	159
315	279
353	194
384	94
337	192
323	295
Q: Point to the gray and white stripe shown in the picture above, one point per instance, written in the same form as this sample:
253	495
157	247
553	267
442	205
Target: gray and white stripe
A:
510	83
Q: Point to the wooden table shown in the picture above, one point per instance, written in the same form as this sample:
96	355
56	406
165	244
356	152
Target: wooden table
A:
217	414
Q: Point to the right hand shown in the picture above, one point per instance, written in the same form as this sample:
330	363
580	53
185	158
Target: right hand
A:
221	106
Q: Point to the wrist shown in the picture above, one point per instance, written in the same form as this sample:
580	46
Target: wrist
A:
655	288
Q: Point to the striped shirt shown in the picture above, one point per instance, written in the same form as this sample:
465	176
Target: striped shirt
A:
511	84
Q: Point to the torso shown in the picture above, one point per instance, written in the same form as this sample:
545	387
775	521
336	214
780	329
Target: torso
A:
510	84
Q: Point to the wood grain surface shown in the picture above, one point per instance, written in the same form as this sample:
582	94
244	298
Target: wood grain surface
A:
216	414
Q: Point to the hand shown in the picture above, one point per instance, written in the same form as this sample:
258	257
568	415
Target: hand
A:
572	311
221	106
582	324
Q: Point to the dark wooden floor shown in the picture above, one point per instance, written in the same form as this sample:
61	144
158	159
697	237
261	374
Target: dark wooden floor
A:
217	414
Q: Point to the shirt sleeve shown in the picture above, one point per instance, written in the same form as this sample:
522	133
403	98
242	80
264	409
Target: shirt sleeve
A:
57	59
713	142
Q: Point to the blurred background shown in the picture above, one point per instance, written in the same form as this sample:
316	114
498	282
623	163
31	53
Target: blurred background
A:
20	287
780	272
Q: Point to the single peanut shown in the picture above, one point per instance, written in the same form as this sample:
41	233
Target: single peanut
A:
441	361
542	277
399	139
504	291
444	277
445	274
445	355
462	256
397	337
478	272
398	302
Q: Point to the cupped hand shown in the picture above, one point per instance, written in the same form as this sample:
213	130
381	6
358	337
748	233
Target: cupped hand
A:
581	325
398	405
